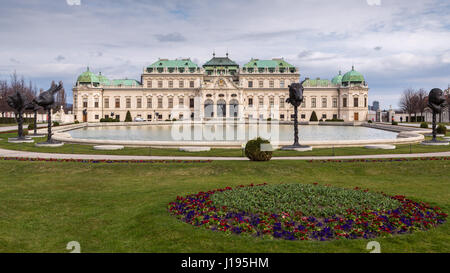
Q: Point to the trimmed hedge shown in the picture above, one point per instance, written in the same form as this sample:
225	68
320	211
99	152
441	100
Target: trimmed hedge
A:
128	117
424	125
13	120
441	129
253	150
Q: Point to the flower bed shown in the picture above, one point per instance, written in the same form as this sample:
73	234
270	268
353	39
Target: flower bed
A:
103	160
397	215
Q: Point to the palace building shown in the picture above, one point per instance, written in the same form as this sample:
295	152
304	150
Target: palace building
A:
219	89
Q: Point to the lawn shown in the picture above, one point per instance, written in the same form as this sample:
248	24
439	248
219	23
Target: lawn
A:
123	207
87	149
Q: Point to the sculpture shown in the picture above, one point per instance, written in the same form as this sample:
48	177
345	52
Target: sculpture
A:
295	98
17	102
436	101
34	107
46	100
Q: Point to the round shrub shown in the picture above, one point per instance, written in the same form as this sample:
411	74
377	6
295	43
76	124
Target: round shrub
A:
424	125
55	123
31	126
441	129
76	122
253	150
369	121
394	123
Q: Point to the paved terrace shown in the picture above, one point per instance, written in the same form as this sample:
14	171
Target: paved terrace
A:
24	154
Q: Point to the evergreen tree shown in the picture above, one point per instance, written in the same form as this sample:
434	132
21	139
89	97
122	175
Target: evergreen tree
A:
313	116
128	117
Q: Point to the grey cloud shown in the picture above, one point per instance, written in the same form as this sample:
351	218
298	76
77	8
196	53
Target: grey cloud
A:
60	58
170	37
14	61
304	53
377	48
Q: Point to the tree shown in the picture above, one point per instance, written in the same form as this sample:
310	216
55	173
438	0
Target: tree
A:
128	117
421	102
313	116
407	103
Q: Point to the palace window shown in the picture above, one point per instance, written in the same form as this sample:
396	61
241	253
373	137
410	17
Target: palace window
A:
250	102
170	84
96	116
324	102
303	102
281	84
181	84
96	103
302	116
334	102
149	117
250	84
334	116
365	102
160	102
271	84
149	102
85	102
313	102
128	102
271	101
106	102
282	102
138	103
117	103
149	84
191	102
181	101
355	102
261	84
170	102
160	84
261	101
344	102
324	116
191	84
282	117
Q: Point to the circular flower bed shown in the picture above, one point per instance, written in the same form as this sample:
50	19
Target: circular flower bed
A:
305	212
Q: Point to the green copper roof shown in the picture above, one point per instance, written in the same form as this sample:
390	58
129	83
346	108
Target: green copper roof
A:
125	82
103	80
185	63
316	83
88	77
353	76
220	61
337	79
274	63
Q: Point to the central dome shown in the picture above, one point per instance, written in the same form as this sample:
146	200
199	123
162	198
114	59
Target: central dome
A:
88	77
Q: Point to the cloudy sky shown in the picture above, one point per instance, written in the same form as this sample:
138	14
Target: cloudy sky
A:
395	44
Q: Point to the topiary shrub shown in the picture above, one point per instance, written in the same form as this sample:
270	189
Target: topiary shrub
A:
424	125
253	150
55	123
394	123
369	121
313	116
31	126
76	122
441	129
128	117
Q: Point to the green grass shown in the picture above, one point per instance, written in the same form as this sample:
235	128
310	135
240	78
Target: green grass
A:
87	149
123	207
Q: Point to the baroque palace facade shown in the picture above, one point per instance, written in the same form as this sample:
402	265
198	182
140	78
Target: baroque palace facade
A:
220	89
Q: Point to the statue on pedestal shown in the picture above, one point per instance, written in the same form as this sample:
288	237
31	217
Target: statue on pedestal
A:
46	100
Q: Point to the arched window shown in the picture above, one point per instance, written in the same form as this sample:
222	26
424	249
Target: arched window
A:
234	108
209	108
221	108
